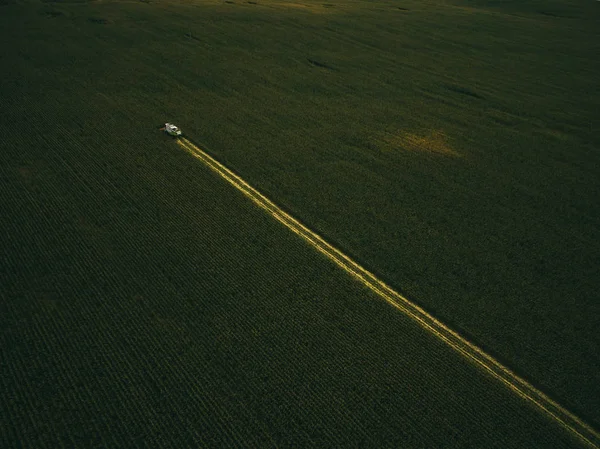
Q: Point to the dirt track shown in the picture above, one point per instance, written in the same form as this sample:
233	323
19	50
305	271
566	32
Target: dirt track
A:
484	361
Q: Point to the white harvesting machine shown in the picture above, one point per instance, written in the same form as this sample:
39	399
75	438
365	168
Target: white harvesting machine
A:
172	130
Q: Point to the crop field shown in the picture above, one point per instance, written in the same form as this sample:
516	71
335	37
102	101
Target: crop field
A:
449	146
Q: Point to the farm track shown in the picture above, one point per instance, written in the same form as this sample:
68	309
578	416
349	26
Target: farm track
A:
484	361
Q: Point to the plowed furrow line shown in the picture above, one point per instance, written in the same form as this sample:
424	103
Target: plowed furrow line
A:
484	361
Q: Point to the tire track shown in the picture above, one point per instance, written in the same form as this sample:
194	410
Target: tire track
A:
574	425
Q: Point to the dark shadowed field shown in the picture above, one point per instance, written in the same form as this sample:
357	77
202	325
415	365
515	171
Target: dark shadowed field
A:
450	147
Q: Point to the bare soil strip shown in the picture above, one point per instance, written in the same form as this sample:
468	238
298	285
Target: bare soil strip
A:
521	387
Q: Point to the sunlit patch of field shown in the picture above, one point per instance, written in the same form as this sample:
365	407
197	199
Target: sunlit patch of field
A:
434	141
317	7
309	6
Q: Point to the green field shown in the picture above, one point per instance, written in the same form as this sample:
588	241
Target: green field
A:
450	147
